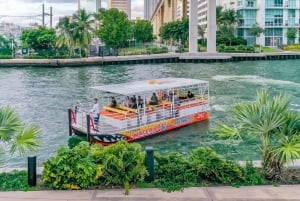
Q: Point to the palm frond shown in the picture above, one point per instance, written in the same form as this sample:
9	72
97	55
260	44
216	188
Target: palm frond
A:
288	149
9	123
28	139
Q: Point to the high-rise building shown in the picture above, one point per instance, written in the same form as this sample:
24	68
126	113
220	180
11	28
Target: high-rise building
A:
91	6
149	8
122	5
276	17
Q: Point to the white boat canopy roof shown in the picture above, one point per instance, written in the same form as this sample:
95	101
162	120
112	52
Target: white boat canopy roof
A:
140	87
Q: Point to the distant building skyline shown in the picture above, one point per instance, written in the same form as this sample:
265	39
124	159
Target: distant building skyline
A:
122	5
89	5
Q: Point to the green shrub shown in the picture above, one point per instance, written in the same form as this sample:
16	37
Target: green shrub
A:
123	164
34	57
221	47
5	56
75	140
208	166
250	48
71	168
241	47
253	175
173	172
15	181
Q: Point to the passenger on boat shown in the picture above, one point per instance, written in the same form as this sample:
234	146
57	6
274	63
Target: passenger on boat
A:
95	112
140	102
133	104
126	101
133	98
113	102
153	100
190	95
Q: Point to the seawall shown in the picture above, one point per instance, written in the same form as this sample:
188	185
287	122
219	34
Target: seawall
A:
148	59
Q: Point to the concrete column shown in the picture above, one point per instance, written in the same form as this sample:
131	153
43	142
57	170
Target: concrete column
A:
193	27
211	26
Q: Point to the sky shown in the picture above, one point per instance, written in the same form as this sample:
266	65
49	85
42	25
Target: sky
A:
60	8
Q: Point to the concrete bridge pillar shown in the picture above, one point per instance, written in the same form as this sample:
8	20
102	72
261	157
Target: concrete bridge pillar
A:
193	27
211	26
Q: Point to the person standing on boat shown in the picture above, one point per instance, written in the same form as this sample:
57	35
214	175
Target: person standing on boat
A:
77	107
95	112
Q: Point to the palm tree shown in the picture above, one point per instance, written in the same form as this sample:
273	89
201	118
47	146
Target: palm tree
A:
65	34
83	30
201	33
22	138
278	128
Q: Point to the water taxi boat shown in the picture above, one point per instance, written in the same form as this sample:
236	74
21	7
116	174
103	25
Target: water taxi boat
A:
180	102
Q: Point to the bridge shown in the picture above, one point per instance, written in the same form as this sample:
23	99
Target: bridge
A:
166	11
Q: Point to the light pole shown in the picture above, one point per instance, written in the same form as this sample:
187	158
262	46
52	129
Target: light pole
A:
12	48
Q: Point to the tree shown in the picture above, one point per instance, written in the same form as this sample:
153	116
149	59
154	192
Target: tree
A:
82	30
6	45
177	30
116	29
20	137
65	34
201	33
226	21
277	127
256	31
291	35
143	31
42	40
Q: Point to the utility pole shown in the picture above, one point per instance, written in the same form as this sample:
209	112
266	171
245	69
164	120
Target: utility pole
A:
51	17
43	15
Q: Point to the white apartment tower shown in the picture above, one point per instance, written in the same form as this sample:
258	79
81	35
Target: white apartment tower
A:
122	5
275	16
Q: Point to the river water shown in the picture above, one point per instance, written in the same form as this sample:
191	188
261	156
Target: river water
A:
43	95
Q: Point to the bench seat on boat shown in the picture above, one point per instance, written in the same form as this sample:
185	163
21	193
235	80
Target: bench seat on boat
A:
111	109
122	107
117	115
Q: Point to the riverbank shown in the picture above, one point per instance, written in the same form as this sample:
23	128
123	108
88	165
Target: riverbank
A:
253	193
146	59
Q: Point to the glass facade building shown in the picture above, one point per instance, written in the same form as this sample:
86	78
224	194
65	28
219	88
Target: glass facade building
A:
275	16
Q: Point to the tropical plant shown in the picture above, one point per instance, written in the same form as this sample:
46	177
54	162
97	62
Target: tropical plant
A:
41	40
201	33
123	164
173	172
21	138
143	31
82	23
291	35
209	166
72	168
115	29
176	31
15	181
256	31
6	45
270	119
65	34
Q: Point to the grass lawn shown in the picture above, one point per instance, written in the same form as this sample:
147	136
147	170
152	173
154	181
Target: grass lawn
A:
270	50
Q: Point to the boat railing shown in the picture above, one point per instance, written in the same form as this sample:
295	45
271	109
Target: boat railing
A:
114	120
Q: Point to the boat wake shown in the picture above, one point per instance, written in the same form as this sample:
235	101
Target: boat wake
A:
254	79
